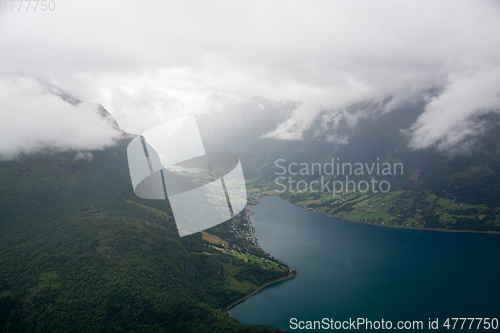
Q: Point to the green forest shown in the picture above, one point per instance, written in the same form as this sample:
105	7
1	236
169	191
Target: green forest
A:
80	252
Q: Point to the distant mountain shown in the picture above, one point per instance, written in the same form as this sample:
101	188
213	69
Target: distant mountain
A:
239	128
471	177
68	98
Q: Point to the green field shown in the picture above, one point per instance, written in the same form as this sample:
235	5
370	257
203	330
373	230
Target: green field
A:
400	208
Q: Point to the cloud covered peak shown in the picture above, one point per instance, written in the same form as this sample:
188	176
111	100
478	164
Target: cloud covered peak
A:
450	119
36	116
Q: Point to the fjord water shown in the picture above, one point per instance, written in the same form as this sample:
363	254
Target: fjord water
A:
354	270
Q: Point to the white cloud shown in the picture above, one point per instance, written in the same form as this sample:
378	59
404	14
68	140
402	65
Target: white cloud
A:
451	117
34	118
84	156
153	61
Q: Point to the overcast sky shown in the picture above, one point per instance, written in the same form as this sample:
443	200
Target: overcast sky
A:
150	61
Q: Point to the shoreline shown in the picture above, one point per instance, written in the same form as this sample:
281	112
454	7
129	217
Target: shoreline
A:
264	286
387	225
259	289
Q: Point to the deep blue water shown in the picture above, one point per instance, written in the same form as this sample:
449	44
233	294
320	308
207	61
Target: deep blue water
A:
354	270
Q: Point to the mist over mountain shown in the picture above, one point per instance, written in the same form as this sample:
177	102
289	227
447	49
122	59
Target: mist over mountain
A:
362	128
362	133
373	131
39	116
178	59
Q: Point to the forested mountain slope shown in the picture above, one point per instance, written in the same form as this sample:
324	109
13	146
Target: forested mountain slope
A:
80	252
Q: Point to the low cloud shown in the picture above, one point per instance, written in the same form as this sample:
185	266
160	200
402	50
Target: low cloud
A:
35	118
152	62
450	119
84	156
